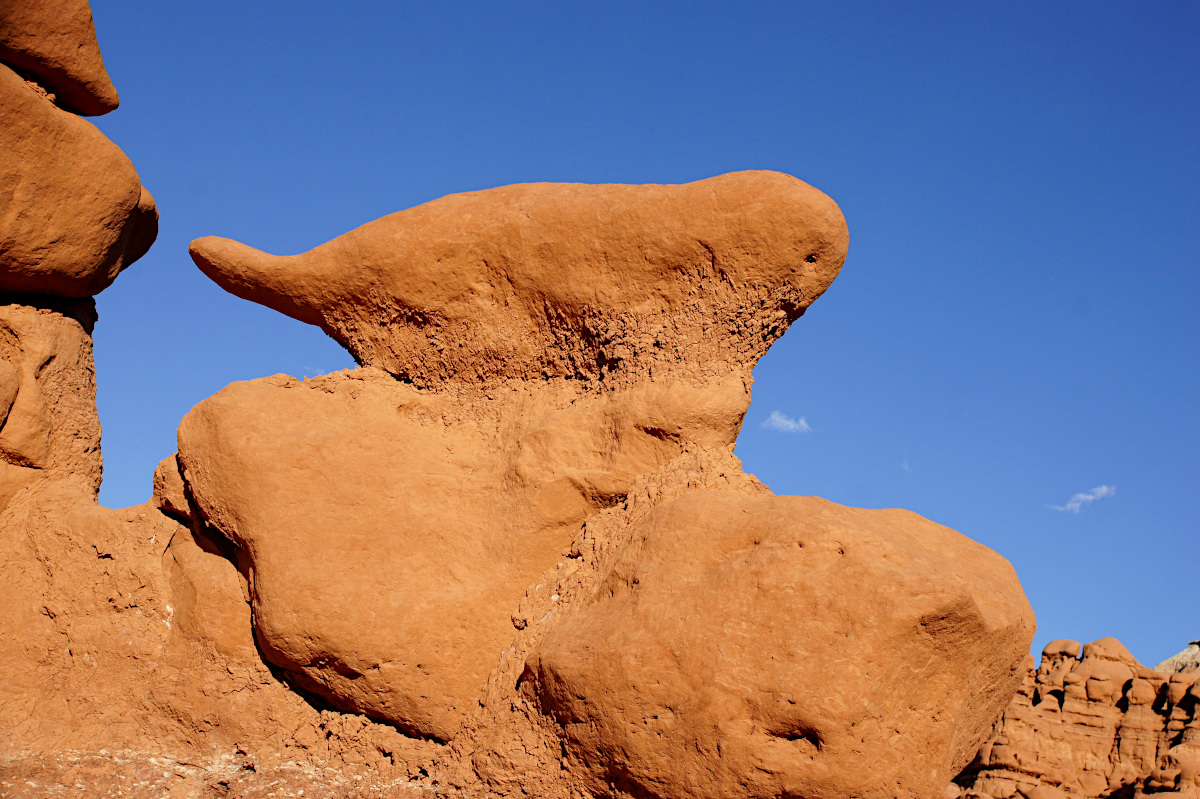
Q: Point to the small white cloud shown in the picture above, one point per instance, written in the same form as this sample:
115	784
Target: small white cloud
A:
1075	503
786	424
904	465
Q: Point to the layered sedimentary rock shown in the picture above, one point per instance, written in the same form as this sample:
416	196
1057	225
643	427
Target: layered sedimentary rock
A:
1100	725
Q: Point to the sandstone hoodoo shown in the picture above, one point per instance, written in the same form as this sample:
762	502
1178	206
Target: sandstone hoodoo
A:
510	554
1092	722
560	347
54	41
552	280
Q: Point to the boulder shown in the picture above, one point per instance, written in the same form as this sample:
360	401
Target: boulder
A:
73	213
54	41
783	646
389	534
542	281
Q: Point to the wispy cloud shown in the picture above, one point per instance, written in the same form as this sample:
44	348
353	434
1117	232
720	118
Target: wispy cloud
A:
905	466
786	424
1075	503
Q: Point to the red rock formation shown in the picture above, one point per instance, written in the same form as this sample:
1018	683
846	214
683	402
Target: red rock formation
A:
724	656
511	554
54	42
73	213
1097	726
544	280
48	423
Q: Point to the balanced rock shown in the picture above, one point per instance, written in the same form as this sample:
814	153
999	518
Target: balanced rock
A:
54	42
73	213
574	364
563	340
784	646
550	280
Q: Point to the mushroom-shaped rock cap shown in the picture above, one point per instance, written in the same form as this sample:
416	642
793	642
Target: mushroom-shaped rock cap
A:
1062	647
54	41
559	280
1109	649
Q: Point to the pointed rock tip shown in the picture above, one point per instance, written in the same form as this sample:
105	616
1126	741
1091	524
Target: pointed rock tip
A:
251	274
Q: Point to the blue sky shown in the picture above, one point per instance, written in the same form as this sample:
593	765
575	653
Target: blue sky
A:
1016	323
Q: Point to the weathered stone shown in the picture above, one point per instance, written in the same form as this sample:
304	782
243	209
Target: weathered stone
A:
543	280
54	41
1099	726
73	213
431	513
784	646
50	428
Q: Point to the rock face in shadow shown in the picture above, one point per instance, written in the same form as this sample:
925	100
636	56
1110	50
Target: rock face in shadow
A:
48	423
1100	725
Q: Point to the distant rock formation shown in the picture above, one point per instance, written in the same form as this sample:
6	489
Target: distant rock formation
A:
1098	726
1188	660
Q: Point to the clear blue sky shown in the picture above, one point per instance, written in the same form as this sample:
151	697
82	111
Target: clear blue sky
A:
1016	323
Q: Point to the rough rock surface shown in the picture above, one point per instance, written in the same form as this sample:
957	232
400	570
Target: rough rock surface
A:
54	42
512	554
725	656
472	490
544	280
1100	725
1187	660
470	500
48	422
73	213
127	658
